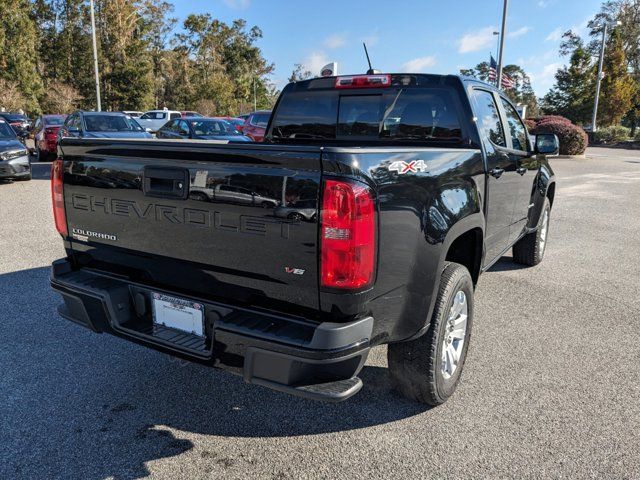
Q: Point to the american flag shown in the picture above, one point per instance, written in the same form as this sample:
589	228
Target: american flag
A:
493	70
507	81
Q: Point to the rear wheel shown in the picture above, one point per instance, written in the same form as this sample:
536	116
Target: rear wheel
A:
530	249
428	368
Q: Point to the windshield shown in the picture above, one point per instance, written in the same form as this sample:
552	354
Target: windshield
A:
15	117
111	123
260	119
428	114
212	128
6	132
57	120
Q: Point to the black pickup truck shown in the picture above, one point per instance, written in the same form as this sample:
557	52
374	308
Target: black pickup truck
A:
419	184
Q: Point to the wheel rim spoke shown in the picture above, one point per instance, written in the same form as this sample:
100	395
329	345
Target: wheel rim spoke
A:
454	335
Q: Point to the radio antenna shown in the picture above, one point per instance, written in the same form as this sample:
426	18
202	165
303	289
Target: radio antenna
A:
371	71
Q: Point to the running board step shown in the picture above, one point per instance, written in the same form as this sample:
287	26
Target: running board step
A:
334	392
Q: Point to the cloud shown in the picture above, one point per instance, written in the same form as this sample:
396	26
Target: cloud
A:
544	3
545	79
315	61
335	41
238	4
520	32
478	40
555	35
418	65
372	40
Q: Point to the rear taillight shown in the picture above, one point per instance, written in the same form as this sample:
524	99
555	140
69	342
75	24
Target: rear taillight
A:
57	197
363	81
347	238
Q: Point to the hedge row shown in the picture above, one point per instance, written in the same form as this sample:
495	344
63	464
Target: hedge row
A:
573	139
613	134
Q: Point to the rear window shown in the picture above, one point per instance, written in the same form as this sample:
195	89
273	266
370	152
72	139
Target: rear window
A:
421	114
54	120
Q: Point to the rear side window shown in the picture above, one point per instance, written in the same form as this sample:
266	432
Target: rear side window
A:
489	118
421	114
516	128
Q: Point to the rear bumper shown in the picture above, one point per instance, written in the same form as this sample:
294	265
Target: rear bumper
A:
313	360
15	168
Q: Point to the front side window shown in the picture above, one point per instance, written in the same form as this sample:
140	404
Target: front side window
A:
174	115
516	128
488	118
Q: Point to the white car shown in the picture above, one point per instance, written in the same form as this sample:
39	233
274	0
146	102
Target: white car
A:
153	120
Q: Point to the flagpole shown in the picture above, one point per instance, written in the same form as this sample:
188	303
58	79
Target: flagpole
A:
502	35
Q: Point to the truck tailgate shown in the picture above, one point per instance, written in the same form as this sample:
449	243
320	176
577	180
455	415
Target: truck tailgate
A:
229	221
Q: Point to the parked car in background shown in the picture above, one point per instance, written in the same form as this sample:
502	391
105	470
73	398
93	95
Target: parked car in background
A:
45	135
133	113
231	194
243	116
14	156
197	128
154	119
191	114
18	121
101	125
256	124
301	210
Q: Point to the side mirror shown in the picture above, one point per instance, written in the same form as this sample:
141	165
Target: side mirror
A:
547	144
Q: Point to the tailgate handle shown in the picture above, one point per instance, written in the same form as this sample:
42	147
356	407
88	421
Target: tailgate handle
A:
166	182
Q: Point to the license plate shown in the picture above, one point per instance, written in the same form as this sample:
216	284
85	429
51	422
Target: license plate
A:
178	313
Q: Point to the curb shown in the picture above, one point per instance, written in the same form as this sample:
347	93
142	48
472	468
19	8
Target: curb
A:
584	155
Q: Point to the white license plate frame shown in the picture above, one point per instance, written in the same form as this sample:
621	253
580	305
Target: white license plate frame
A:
177	313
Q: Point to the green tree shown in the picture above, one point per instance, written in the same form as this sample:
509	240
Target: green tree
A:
18	52
299	73
572	96
618	87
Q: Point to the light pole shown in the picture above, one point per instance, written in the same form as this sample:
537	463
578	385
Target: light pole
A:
600	64
95	56
502	35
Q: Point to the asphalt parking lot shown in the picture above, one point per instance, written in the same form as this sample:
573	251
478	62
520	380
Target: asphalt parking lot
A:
551	387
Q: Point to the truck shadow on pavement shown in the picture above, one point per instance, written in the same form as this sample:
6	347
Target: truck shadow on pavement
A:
80	405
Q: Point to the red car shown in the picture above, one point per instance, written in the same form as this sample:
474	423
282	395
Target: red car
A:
45	135
256	124
190	113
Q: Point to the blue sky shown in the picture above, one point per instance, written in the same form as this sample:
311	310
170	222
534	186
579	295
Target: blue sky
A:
411	35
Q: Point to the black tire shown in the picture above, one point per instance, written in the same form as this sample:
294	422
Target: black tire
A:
25	178
416	366
200	197
530	249
295	216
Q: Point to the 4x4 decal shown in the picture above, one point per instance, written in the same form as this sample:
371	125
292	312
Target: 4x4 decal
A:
413	166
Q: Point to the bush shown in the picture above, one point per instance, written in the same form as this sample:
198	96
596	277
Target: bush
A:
637	137
573	139
616	133
529	123
552	118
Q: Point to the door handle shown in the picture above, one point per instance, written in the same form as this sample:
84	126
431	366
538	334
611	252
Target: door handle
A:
522	170
496	172
166	182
